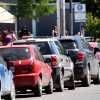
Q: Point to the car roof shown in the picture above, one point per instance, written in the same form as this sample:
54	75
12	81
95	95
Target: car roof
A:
35	40
88	38
16	46
75	37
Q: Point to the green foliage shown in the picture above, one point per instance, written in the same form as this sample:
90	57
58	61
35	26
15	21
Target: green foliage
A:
92	26
93	6
82	1
41	8
30	10
93	18
24	8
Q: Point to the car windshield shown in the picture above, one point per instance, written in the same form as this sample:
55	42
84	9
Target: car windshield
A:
16	53
68	44
44	48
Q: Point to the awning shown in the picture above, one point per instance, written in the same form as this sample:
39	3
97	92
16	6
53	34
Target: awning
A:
6	17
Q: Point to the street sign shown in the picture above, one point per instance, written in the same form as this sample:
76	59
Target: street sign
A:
80	17
80	8
80	13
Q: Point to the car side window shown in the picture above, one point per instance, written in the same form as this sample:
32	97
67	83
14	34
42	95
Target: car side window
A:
84	43
44	48
38	55
59	47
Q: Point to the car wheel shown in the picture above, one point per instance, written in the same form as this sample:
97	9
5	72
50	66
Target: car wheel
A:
87	79
49	88
60	82
38	88
11	96
72	83
97	79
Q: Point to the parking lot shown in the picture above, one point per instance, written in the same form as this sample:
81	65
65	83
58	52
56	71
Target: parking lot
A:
45	69
80	93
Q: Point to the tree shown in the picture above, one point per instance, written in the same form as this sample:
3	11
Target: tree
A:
33	10
92	26
93	6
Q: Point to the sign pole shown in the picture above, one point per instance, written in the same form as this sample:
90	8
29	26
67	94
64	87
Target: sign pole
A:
58	16
61	17
71	17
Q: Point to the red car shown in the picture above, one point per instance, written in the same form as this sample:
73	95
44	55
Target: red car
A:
30	71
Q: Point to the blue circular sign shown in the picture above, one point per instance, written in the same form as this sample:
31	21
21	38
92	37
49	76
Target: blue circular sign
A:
79	7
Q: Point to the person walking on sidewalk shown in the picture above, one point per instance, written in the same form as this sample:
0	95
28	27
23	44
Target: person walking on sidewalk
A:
7	37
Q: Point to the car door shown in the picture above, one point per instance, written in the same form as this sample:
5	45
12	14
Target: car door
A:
64	60
6	80
91	59
46	70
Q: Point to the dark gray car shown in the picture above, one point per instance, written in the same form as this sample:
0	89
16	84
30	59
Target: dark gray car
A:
86	66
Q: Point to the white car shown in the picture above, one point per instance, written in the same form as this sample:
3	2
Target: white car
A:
7	88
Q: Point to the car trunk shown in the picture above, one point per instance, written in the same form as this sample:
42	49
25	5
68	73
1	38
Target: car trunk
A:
22	66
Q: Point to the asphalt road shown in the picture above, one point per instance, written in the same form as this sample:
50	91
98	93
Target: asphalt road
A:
80	93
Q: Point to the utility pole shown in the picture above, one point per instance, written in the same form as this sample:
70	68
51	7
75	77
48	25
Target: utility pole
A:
61	17
71	16
62	14
58	16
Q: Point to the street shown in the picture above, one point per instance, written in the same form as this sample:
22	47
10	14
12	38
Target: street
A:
80	93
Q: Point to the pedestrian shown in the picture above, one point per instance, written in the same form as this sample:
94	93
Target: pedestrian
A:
55	31
8	37
12	35
4	40
79	34
24	32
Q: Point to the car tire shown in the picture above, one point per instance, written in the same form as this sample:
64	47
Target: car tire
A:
49	88
72	83
97	79
87	79
38	88
60	87
11	96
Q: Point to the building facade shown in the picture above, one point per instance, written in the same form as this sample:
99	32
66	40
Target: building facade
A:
44	25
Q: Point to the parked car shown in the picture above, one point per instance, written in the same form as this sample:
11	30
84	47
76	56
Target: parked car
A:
31	72
95	47
88	38
7	87
86	66
53	53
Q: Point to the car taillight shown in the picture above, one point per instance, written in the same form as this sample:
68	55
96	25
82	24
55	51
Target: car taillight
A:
80	56
53	60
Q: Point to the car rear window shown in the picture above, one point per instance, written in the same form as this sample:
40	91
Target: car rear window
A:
68	44
44	48
18	53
